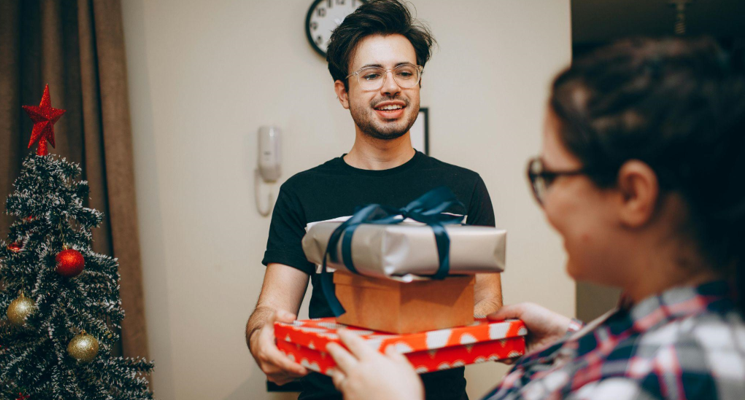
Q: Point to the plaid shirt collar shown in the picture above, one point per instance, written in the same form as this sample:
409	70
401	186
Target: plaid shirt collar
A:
675	303
654	311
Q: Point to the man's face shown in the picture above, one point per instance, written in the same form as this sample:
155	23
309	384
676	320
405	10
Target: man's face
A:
389	112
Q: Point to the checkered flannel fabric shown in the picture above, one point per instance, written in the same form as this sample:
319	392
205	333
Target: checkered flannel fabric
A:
686	343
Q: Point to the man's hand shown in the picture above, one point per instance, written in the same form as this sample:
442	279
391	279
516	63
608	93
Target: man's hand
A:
544	327
282	290
261	340
365	374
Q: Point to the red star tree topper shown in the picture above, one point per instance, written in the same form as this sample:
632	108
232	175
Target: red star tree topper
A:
44	117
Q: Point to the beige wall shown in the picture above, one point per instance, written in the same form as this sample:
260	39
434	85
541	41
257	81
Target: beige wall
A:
204	75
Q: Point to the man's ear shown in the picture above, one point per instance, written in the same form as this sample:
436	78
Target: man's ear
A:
638	187
339	88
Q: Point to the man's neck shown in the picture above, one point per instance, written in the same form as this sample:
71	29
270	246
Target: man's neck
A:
376	154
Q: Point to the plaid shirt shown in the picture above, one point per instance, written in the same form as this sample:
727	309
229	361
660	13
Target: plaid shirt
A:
687	343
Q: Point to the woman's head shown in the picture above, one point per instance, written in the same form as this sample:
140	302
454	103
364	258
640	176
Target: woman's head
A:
672	111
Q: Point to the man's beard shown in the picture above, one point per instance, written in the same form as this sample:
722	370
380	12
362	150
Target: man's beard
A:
366	121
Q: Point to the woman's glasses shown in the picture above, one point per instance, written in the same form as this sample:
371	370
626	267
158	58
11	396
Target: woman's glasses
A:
541	179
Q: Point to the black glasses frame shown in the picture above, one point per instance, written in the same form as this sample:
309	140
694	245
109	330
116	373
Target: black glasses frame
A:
540	179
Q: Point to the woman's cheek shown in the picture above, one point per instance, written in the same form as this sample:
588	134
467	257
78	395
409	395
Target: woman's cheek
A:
577	239
577	254
556	214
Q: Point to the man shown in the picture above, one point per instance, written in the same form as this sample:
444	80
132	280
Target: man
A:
375	57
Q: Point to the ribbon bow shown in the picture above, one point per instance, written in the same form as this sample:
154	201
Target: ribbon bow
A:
427	209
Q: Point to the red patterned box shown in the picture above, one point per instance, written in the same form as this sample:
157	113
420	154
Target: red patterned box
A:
305	342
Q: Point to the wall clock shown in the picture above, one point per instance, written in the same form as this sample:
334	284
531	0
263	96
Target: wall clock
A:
323	17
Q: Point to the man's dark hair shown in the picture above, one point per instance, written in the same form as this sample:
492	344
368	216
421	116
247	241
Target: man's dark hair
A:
375	17
678	106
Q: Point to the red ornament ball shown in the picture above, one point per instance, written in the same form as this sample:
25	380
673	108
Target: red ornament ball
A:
69	263
15	247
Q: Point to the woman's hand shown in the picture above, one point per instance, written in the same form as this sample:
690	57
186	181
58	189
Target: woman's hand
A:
544	327
365	374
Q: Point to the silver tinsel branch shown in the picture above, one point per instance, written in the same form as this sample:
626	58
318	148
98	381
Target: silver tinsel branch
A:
49	203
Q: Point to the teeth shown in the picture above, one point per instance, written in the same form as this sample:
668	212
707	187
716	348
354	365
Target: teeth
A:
391	107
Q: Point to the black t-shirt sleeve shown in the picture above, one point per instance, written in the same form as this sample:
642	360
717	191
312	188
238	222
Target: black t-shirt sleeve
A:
286	232
480	212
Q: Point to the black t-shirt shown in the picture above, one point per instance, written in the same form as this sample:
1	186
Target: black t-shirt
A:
335	189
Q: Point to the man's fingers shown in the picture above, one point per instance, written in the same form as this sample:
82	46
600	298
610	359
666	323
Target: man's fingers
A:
275	357
279	379
284	363
284	316
507	312
356	345
345	361
292	368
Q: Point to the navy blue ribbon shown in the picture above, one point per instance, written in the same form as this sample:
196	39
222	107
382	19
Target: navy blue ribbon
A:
427	209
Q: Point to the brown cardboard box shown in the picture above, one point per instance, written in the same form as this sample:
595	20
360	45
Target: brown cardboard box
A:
391	306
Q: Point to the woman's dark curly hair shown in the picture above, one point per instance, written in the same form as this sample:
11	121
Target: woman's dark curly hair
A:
676	105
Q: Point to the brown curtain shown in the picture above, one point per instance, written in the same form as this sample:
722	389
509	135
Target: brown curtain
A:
77	47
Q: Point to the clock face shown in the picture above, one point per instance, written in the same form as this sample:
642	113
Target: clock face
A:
323	17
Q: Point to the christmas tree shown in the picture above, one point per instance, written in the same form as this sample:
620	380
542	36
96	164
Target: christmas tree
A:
59	300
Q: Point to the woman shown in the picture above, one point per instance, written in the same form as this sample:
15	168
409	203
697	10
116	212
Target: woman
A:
641	172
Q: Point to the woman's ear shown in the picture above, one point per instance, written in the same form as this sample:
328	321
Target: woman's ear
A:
638	186
339	88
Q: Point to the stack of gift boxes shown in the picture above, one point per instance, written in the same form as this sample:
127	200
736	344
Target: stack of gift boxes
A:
407	284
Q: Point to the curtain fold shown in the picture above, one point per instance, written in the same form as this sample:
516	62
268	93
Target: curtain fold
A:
77	47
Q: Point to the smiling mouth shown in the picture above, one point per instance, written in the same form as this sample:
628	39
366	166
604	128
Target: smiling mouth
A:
390	107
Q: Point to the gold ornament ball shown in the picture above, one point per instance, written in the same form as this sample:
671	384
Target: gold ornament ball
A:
83	347
19	309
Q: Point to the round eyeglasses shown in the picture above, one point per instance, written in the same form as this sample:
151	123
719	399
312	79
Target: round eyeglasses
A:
541	179
372	78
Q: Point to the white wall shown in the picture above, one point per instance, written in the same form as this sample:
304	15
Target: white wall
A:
204	75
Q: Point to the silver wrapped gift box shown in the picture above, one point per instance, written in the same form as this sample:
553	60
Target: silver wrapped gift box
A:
407	251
